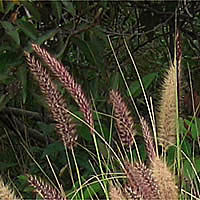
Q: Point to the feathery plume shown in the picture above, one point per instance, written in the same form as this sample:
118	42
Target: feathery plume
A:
115	193
164	179
65	127
124	121
167	110
148	139
68	82
141	182
45	190
5	192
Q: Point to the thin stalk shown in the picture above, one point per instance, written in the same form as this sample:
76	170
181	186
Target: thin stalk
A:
52	183
99	135
153	117
143	90
98	154
78	173
126	84
177	107
70	168
100	165
60	187
193	103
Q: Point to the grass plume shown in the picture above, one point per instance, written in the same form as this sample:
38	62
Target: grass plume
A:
68	82
65	127
45	190
141	181
148	139
165	180
115	193
124	120
5	192
167	110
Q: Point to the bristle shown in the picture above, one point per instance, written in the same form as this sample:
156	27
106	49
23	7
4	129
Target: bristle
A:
124	121
141	181
65	127
5	192
148	139
116	193
167	111
68	82
131	194
45	190
165	180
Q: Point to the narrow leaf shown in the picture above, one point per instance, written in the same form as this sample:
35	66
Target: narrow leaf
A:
11	31
28	29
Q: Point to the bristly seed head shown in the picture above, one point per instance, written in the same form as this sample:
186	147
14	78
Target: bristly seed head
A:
148	139
69	83
45	190
141	182
65	127
5	192
124	121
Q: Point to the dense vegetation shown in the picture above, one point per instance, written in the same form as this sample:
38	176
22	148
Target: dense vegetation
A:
81	35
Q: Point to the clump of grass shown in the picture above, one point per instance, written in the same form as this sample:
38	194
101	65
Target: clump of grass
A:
143	182
152	180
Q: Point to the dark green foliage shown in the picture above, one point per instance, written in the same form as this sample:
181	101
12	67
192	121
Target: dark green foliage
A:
76	33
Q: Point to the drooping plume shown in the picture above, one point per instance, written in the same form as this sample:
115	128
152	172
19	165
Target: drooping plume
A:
68	82
65	127
124	120
45	190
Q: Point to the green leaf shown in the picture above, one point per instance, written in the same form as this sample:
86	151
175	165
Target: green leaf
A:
32	9
135	87
3	101
69	7
92	190
1	6
22	73
8	60
46	36
84	132
53	149
97	46
85	48
11	31
187	148
5	166
194	127
28	28
188	169
171	157
57	9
